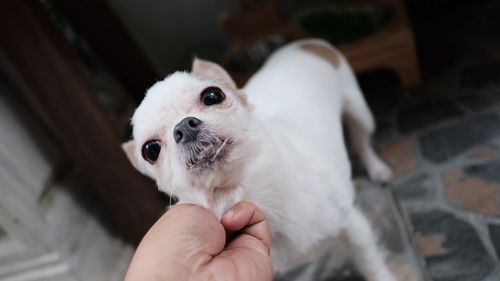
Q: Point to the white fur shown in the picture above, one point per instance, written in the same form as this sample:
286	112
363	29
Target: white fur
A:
289	155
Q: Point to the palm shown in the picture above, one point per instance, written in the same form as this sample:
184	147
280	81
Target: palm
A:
240	261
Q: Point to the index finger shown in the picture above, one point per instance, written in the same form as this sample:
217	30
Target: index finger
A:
247	218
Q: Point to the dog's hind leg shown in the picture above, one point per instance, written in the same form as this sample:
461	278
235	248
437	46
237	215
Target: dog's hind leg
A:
358	116
361	125
368	257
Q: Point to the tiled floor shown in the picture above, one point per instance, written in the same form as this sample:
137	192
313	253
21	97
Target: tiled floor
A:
439	218
450	199
447	158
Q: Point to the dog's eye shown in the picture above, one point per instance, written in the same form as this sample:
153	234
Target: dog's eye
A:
151	150
211	96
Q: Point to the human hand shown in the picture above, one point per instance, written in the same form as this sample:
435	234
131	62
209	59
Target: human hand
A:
189	243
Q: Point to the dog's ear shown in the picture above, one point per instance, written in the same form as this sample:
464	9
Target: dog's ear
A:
129	149
209	70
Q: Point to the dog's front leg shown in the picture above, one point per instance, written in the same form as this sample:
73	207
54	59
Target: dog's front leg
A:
368	257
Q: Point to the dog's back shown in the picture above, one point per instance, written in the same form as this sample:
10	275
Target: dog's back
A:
298	84
299	96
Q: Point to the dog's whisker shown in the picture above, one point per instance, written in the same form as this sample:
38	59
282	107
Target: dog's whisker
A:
219	150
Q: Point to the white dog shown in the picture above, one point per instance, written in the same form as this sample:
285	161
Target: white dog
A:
278	143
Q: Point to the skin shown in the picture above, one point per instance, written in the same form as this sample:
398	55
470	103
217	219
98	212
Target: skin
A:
189	243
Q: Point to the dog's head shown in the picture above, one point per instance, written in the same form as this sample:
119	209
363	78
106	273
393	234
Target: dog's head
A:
192	130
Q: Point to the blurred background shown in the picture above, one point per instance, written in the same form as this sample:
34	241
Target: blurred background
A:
72	72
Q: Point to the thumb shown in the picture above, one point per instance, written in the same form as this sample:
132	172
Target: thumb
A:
251	223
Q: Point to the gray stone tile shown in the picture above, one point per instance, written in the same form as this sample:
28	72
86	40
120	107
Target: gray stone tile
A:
488	171
495	238
418	187
442	144
451	247
471	191
494	276
419	116
487	151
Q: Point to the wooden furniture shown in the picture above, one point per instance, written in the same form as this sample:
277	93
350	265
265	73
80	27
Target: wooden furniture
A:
47	73
391	47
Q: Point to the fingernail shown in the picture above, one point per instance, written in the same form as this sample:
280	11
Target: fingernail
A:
228	215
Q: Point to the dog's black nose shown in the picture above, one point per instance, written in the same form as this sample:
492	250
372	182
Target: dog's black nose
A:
187	130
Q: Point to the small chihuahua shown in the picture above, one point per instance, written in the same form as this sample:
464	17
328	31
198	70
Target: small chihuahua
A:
278	143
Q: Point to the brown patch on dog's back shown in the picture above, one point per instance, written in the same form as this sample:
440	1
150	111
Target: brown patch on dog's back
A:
323	51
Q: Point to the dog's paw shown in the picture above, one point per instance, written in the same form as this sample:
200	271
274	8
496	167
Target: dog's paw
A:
379	171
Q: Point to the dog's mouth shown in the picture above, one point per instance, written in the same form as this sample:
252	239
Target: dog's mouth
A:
206	152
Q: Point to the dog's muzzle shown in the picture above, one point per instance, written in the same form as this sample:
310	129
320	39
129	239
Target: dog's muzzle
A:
201	149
